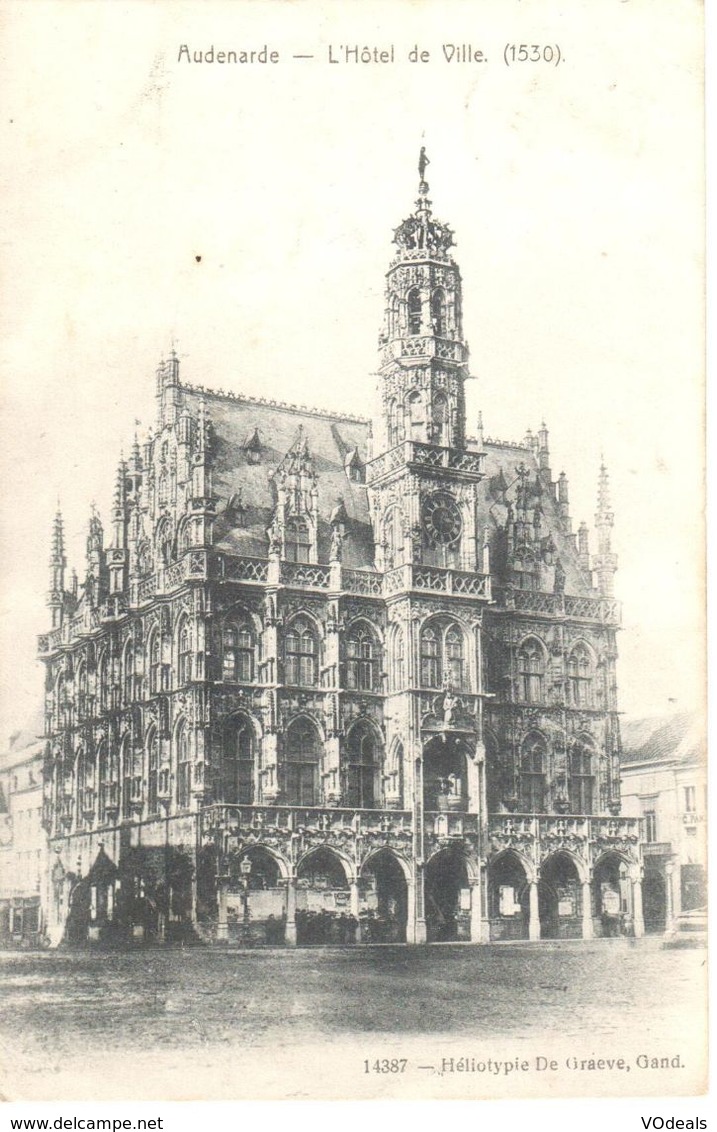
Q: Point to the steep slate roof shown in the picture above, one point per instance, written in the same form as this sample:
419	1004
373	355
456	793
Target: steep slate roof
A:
663	739
331	438
503	459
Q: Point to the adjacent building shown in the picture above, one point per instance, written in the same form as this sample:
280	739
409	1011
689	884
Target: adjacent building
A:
328	679
23	842
664	782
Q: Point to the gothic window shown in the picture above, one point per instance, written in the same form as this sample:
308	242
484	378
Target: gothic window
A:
152	772
392	422
454	656
438	311
238	762
393	538
85	781
431	676
154	655
81	683
163	489
184	767
531	671
394	328
362	660
128	784
108	780
102	678
399	660
440	419
580	677
414	311
303	755
238	644
297	540
362	766
301	654
532	774
582	777
184	651
416	416
442	656
128	672
183	537
650	818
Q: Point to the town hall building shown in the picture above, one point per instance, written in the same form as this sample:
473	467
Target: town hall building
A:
328	680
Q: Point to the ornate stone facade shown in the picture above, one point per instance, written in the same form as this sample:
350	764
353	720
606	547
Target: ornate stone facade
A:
324	685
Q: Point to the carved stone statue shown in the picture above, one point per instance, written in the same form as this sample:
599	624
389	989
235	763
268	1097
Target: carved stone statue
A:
423	161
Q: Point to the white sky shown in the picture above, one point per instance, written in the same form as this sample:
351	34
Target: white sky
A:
575	193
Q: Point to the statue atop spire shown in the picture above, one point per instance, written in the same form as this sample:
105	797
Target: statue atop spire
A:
423	161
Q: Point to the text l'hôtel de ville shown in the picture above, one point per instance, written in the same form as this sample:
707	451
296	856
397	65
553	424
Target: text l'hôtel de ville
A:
336	53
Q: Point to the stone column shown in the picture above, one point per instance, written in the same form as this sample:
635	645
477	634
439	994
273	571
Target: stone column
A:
587	911
354	907
534	912
290	933
669	901
222	922
638	922
476	910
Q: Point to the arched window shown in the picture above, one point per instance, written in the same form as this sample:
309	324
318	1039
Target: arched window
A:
413	304
81	684
108	764
184	651
128	672
85	781
362	655
152	772
128	781
362	766
102	683
393	436
431	676
303	756
394	327
297	540
184	767
581	676
454	656
442	656
398	667
416	415
301	654
238	762
438	311
238	644
532	774
582	777
154	657
439	415
531	671
394	538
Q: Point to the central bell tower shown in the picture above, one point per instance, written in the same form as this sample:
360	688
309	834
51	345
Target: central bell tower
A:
423	357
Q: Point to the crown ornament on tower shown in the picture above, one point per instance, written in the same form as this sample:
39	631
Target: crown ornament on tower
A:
420	232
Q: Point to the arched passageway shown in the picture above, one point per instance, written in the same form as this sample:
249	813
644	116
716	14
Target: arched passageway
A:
447	898
383	894
611	897
560	904
508	898
323	901
256	898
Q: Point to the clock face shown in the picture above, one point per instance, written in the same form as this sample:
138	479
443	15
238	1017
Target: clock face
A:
442	519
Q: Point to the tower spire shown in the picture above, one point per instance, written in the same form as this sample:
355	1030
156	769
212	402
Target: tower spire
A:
605	561
58	562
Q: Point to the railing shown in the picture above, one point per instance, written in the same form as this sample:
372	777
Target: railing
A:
584	835
436	579
302	819
366	582
311	575
425	455
603	609
446	825
425	345
244	569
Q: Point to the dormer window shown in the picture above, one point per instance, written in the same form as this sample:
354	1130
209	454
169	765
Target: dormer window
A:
297	540
253	449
